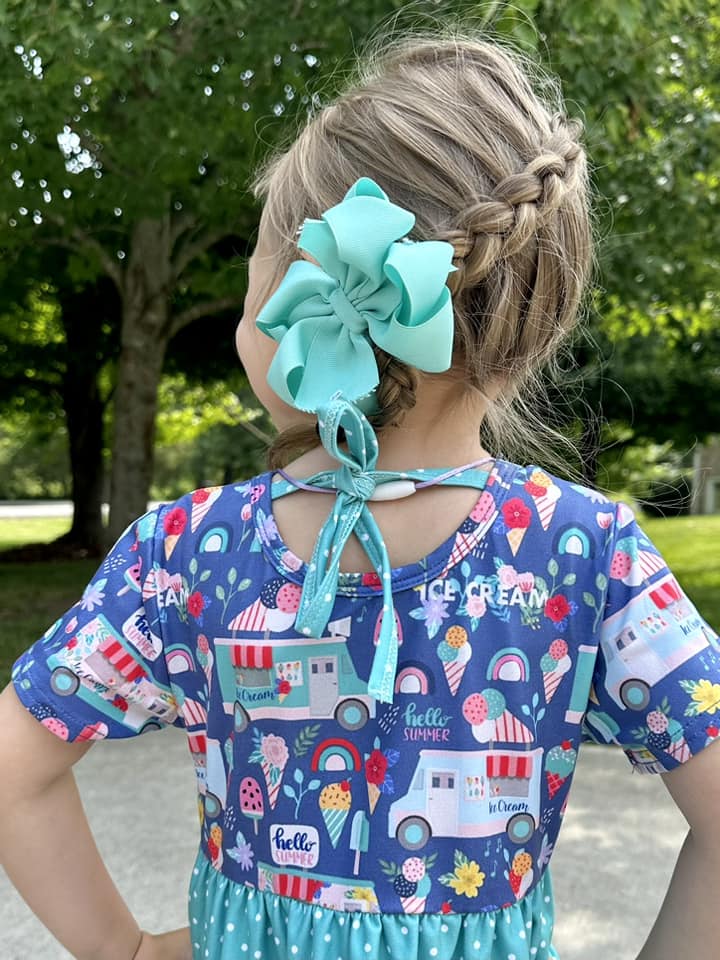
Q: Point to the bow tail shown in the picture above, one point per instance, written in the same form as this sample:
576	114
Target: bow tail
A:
320	586
384	666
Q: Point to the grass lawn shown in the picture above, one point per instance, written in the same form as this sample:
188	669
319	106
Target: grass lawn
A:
32	596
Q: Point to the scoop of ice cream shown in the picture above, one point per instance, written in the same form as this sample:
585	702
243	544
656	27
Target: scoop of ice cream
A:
657	721
496	703
561	759
522	862
57	727
335	796
456	636
547	663
413	869
446	653
558	649
475	708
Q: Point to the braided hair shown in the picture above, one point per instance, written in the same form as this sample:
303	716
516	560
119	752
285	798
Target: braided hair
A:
450	127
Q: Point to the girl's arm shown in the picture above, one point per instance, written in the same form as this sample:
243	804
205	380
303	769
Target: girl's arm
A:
46	846
688	923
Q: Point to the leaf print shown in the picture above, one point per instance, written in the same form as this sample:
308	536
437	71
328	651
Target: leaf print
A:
220	591
193	565
305	738
232	575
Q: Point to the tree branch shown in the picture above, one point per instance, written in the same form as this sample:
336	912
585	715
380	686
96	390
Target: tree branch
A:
193	248
83	241
181	223
205	309
254	431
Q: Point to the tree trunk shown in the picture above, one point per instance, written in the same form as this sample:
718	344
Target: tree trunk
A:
84	417
144	338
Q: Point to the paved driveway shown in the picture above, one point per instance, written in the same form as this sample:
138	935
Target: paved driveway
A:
139	796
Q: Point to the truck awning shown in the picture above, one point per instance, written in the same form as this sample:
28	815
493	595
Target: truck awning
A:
666	594
117	655
252	655
510	765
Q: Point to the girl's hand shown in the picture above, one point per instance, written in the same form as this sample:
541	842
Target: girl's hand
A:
175	945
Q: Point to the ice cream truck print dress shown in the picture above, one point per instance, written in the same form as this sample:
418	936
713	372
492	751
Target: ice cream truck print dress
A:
332	824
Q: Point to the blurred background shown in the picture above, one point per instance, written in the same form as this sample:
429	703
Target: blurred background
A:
128	134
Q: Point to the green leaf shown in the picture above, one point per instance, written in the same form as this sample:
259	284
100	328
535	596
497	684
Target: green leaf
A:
220	591
569	579
244	584
232	575
553	567
589	599
205	575
193	565
601	582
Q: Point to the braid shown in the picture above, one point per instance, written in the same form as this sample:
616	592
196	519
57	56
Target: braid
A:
396	390
496	228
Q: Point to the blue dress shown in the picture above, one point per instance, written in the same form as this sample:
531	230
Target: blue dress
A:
335	825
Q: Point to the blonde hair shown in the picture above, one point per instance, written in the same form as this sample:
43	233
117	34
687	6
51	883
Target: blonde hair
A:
447	123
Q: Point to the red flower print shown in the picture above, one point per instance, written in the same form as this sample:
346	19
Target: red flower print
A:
371	580
72	643
516	514
195	604
557	608
534	489
200	496
446	908
174	522
284	686
120	702
375	767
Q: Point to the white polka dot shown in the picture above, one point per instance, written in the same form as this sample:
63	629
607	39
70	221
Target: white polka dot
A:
356	924
227	903
251	895
230	927
318	914
511	956
207	953
277	941
306	630
522	934
542	943
258	917
433	952
196	871
403	930
386	576
328	597
194	919
444	928
341	921
529	924
547	899
368	948
244	946
533	950
257	955
327	938
476	944
212	919
269	930
293	948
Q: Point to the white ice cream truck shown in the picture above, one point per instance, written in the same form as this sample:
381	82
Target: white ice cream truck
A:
295	678
644	645
105	670
469	793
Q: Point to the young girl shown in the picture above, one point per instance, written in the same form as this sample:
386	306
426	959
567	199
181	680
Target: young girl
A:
384	717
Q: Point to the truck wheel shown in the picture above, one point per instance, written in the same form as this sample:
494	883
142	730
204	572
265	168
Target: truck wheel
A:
352	714
413	833
213	807
241	718
520	827
635	694
63	681
151	725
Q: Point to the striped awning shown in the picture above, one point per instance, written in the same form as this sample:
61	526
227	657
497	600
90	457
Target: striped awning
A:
197	742
666	594
510	765
252	655
126	665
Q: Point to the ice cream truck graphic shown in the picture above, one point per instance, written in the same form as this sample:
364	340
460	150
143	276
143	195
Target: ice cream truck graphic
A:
354	895
643	646
296	678
102	668
467	793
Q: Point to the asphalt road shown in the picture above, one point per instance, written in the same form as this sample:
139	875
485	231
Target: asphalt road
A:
139	796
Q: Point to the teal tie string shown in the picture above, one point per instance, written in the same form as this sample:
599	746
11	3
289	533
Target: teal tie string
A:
354	487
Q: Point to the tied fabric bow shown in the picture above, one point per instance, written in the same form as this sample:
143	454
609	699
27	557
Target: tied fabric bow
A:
355	486
367	287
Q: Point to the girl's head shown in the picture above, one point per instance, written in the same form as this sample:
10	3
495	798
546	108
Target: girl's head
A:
451	129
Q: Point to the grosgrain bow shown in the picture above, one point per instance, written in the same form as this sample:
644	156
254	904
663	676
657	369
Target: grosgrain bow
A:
367	287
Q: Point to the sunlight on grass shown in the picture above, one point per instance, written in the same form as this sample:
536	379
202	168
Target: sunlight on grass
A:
16	531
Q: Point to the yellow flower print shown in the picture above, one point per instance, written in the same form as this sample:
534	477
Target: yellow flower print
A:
362	893
707	696
467	878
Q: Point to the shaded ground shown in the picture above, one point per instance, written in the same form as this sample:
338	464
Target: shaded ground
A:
618	846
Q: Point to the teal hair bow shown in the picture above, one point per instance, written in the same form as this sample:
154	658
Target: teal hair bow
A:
367	287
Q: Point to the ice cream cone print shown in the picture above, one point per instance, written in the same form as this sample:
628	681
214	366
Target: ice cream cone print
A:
413	904
170	544
454	653
202	500
93	731
554	665
515	537
545	504
273	789
334	801
373	795
559	764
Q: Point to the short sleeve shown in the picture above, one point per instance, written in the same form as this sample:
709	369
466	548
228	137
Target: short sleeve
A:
656	683
100	670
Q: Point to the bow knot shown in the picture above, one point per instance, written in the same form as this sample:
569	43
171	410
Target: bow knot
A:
346	313
357	484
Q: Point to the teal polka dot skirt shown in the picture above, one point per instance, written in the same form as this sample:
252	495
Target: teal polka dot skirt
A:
232	921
